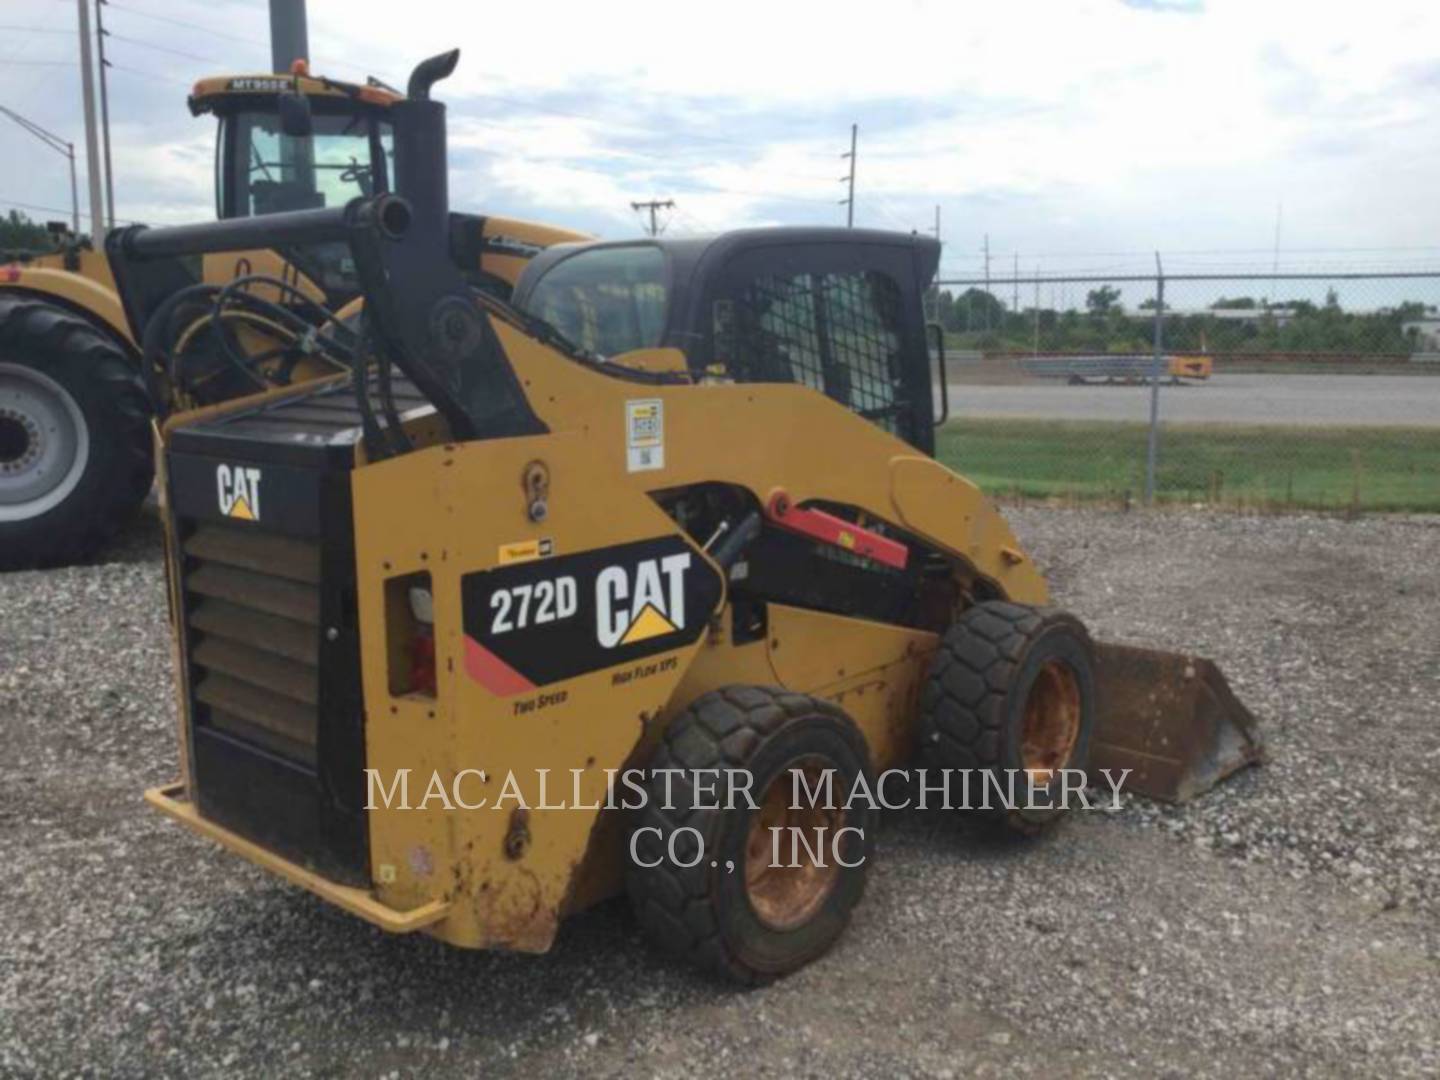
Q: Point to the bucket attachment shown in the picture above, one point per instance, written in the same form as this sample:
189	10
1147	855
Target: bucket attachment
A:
1172	719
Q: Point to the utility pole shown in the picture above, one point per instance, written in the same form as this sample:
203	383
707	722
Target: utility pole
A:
92	149
849	201
1037	311
289	39
60	146
1152	443
653	205
987	281
105	113
1279	213
937	275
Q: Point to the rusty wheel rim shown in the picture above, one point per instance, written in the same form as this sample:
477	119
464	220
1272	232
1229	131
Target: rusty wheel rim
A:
1051	725
784	896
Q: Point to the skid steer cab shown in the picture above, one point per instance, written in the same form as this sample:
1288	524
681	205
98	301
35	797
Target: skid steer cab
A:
630	585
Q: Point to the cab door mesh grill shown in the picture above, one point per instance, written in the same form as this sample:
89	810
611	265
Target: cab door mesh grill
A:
839	333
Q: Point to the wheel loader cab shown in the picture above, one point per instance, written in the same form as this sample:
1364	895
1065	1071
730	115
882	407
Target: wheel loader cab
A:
262	170
344	151
267	163
837	310
83	387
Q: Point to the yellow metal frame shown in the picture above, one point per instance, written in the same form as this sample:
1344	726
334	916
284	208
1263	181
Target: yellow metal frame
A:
170	800
448	510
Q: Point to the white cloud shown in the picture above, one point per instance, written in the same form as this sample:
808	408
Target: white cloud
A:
1049	125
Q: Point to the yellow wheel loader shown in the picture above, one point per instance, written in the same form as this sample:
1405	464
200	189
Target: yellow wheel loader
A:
644	581
76	389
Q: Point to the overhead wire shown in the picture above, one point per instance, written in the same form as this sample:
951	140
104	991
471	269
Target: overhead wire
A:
696	141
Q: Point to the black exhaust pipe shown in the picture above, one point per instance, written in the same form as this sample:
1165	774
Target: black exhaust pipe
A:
428	72
421	161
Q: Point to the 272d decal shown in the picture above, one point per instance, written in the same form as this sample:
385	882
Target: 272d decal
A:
536	623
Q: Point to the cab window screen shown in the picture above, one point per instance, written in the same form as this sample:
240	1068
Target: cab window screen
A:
609	300
344	158
838	333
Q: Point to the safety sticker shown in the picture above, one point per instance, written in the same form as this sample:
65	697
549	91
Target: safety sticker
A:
644	435
525	550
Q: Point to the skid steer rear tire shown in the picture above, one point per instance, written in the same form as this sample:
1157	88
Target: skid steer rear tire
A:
75	444
1011	689
734	912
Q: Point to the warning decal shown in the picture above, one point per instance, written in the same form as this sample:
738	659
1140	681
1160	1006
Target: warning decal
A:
644	435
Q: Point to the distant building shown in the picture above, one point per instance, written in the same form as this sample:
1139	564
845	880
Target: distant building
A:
1426	332
1280	315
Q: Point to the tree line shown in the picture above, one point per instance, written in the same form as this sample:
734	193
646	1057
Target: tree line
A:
19	233
978	319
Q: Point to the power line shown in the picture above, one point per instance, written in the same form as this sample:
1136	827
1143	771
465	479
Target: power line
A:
517	103
711	190
696	224
52	210
188	25
49	138
1267	252
38	209
503	99
162	48
620	125
530	106
63	147
166	79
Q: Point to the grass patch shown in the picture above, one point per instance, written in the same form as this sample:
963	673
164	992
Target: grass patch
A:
1355	469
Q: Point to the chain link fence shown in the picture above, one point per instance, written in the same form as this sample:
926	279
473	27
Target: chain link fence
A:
1267	391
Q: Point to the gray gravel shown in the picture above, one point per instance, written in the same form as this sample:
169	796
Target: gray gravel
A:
1286	924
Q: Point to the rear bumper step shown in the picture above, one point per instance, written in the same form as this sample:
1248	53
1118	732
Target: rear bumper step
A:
172	801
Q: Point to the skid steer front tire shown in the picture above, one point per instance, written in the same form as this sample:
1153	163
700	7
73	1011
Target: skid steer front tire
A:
736	911
1011	694
75	445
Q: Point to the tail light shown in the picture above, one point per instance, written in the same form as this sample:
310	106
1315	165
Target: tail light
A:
422	641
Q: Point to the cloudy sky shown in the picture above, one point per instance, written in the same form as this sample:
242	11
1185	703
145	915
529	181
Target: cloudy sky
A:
1076	133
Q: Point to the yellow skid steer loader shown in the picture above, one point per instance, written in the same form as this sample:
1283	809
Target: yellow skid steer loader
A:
580	593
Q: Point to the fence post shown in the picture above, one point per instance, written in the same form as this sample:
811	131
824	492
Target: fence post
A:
1152	448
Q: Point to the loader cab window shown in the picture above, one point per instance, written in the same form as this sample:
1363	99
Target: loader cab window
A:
260	170
608	300
263	171
839	333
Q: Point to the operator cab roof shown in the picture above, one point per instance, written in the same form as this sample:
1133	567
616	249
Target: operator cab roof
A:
685	255
224	92
697	270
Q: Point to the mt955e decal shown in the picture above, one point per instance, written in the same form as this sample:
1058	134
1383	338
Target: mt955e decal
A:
546	620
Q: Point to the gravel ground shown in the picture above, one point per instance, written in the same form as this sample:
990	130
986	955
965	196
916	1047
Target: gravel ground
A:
1285	924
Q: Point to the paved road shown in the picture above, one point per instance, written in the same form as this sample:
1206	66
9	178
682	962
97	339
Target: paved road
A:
1391	400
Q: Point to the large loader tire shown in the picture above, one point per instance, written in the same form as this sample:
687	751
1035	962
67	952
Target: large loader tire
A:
1011	693
75	453
736	912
